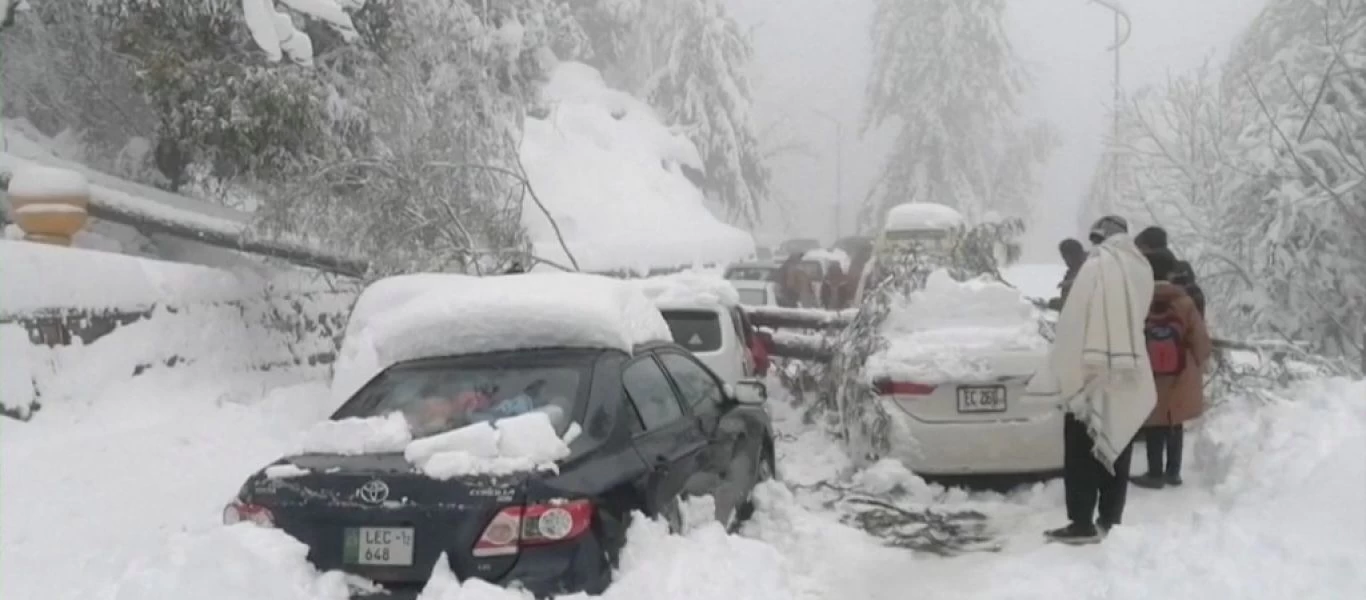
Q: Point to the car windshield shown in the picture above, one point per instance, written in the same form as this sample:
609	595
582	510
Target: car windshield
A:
438	397
751	273
696	330
753	297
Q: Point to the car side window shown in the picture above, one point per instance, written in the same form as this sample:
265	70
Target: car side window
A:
651	394
700	388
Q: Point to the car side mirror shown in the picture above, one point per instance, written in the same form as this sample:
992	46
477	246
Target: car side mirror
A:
752	392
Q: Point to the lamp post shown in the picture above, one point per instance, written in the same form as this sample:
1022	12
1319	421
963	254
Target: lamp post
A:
839	168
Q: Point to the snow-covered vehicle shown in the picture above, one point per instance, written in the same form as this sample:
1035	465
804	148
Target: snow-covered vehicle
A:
941	350
704	315
510	427
952	378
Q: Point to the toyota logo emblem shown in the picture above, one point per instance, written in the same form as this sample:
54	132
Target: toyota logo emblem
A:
374	492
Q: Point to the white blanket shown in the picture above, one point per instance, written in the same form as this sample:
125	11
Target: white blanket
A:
1098	366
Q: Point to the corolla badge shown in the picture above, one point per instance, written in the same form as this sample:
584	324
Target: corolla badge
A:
374	492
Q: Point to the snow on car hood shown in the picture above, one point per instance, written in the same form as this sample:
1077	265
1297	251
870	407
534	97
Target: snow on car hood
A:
974	330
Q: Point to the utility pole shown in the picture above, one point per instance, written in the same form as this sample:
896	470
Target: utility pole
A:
839	170
1121	36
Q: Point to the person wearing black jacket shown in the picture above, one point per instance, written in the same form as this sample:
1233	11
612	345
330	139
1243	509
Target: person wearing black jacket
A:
1073	256
1155	238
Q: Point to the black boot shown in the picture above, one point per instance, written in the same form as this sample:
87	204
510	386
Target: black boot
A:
1176	441
1075	534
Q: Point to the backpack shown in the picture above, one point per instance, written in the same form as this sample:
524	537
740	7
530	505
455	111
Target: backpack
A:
1166	337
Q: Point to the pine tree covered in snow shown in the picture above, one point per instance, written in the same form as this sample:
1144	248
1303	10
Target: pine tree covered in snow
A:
944	72
687	58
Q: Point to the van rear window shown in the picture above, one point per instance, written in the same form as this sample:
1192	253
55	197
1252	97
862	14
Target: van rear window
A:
696	330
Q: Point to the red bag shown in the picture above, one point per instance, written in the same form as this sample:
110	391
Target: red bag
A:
1166	336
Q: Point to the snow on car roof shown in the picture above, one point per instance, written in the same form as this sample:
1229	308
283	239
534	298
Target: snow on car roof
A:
429	315
959	331
689	289
922	215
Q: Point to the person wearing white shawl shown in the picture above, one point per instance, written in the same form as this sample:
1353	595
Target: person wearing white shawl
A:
1098	372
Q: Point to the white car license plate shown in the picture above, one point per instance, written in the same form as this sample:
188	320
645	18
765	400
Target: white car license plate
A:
385	546
981	398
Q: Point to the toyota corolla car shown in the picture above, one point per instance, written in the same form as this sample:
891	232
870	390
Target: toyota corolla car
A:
656	425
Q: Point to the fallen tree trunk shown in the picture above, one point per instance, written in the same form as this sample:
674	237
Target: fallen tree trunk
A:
774	317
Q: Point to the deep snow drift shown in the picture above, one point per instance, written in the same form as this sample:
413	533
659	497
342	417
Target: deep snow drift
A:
611	175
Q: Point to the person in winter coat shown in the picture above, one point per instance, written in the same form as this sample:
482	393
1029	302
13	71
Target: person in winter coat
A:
1155	238
835	292
1073	255
1179	349
1098	372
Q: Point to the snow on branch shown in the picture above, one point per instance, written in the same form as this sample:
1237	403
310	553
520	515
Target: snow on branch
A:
275	33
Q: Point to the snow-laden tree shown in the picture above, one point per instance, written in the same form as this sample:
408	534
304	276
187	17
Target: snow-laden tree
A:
1298	215
944	73
687	59
437	185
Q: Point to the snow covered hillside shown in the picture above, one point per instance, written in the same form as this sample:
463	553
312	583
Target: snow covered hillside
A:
610	174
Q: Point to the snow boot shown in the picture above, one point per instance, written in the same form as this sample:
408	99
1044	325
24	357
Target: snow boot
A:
1174	480
1150	481
1075	534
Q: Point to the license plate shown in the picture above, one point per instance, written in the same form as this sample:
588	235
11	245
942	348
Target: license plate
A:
386	546
981	398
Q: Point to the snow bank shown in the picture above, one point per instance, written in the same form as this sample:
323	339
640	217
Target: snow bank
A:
922	215
1035	280
690	288
40	276
610	173
959	331
446	315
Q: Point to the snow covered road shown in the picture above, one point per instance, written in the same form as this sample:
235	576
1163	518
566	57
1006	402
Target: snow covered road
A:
119	496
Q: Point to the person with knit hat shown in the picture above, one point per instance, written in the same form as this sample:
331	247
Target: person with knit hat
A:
1179	349
1098	372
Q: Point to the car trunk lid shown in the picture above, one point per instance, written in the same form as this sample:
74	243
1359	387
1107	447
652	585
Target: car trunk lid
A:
375	516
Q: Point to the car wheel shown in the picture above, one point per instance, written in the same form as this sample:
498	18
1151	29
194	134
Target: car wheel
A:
767	471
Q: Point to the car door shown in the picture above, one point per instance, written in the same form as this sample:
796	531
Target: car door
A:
668	438
733	449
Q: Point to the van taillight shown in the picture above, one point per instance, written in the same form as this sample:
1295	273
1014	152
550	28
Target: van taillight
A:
890	387
534	525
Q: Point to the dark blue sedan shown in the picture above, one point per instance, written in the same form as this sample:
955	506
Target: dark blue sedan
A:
656	426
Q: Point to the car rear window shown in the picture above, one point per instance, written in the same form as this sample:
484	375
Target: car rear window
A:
437	397
696	330
753	297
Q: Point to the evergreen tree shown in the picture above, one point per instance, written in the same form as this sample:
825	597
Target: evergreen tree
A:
944	72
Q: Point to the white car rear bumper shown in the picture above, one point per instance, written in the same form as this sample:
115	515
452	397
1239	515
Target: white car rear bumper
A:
985	448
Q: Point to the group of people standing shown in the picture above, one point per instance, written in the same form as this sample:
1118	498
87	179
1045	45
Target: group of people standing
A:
1127	363
796	286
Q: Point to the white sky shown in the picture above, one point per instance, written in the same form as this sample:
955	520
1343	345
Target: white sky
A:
814	55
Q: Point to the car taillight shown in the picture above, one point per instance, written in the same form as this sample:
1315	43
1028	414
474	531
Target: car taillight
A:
237	512
889	387
534	525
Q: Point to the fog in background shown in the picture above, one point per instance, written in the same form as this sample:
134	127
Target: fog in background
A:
813	56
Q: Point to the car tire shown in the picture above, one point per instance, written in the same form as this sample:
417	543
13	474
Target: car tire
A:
767	471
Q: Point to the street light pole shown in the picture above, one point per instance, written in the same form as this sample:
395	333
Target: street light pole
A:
1121	36
839	169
